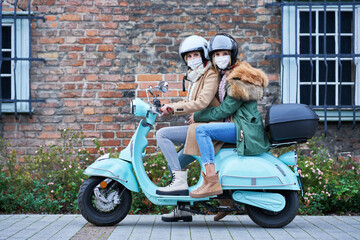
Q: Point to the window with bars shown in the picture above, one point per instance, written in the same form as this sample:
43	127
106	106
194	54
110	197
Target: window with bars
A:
320	57
15	59
340	70
15	78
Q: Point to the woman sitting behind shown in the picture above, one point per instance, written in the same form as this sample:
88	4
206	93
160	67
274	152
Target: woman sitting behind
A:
240	87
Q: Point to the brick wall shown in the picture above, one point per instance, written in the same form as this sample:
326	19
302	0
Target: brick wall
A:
101	53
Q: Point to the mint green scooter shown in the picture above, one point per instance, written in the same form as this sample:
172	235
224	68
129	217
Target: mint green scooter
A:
264	184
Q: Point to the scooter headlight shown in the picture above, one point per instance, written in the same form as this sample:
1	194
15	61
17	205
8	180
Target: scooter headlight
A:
139	107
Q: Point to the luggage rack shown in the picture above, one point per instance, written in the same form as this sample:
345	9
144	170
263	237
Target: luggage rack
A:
284	144
273	145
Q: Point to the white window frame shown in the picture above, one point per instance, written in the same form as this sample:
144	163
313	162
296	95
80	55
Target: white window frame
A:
290	69
22	67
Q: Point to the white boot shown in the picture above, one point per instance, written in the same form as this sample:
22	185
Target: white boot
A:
177	215
178	185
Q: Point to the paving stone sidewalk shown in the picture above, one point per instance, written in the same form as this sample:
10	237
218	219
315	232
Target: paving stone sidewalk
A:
38	227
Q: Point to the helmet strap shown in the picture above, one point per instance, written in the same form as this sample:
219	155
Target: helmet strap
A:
183	83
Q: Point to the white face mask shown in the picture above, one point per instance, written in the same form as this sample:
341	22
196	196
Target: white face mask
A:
222	62
194	63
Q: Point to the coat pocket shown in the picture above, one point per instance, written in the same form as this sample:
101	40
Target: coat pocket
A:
253	136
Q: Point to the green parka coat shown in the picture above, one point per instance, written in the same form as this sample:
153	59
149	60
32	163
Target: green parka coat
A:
244	87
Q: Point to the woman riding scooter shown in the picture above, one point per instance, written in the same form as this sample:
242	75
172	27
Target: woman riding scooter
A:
240	87
201	94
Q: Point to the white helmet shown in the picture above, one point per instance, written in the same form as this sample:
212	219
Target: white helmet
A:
194	43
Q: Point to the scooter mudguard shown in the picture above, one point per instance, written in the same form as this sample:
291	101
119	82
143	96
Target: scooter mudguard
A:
263	172
116	169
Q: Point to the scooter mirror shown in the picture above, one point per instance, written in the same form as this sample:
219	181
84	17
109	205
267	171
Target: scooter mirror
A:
150	90
163	86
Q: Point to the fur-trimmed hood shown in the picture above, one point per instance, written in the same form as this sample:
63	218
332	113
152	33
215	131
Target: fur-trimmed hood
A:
246	82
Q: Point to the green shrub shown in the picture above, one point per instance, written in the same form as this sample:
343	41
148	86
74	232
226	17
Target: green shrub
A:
331	185
48	181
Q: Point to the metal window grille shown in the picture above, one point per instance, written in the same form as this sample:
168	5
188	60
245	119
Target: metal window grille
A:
9	58
324	63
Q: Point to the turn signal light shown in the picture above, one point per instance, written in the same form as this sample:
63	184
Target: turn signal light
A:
103	184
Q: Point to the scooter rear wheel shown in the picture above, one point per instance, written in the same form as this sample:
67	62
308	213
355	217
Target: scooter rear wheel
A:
103	213
270	219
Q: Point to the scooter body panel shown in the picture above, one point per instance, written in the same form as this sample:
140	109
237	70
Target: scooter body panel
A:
147	186
116	169
266	200
263	172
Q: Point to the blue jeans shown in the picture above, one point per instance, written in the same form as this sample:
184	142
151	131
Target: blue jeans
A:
205	133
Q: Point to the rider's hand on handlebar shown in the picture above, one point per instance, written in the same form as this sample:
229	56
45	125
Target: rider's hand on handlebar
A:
191	118
166	109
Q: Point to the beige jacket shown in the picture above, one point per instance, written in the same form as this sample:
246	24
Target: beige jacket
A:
203	96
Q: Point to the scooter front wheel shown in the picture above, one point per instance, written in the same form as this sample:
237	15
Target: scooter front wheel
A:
103	206
270	219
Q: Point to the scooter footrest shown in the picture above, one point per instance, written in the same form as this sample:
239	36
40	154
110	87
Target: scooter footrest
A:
224	207
173	193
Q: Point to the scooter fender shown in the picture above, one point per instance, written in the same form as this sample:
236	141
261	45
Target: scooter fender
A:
115	168
262	171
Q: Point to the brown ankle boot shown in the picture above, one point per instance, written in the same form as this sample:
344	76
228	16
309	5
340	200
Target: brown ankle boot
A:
226	203
211	186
